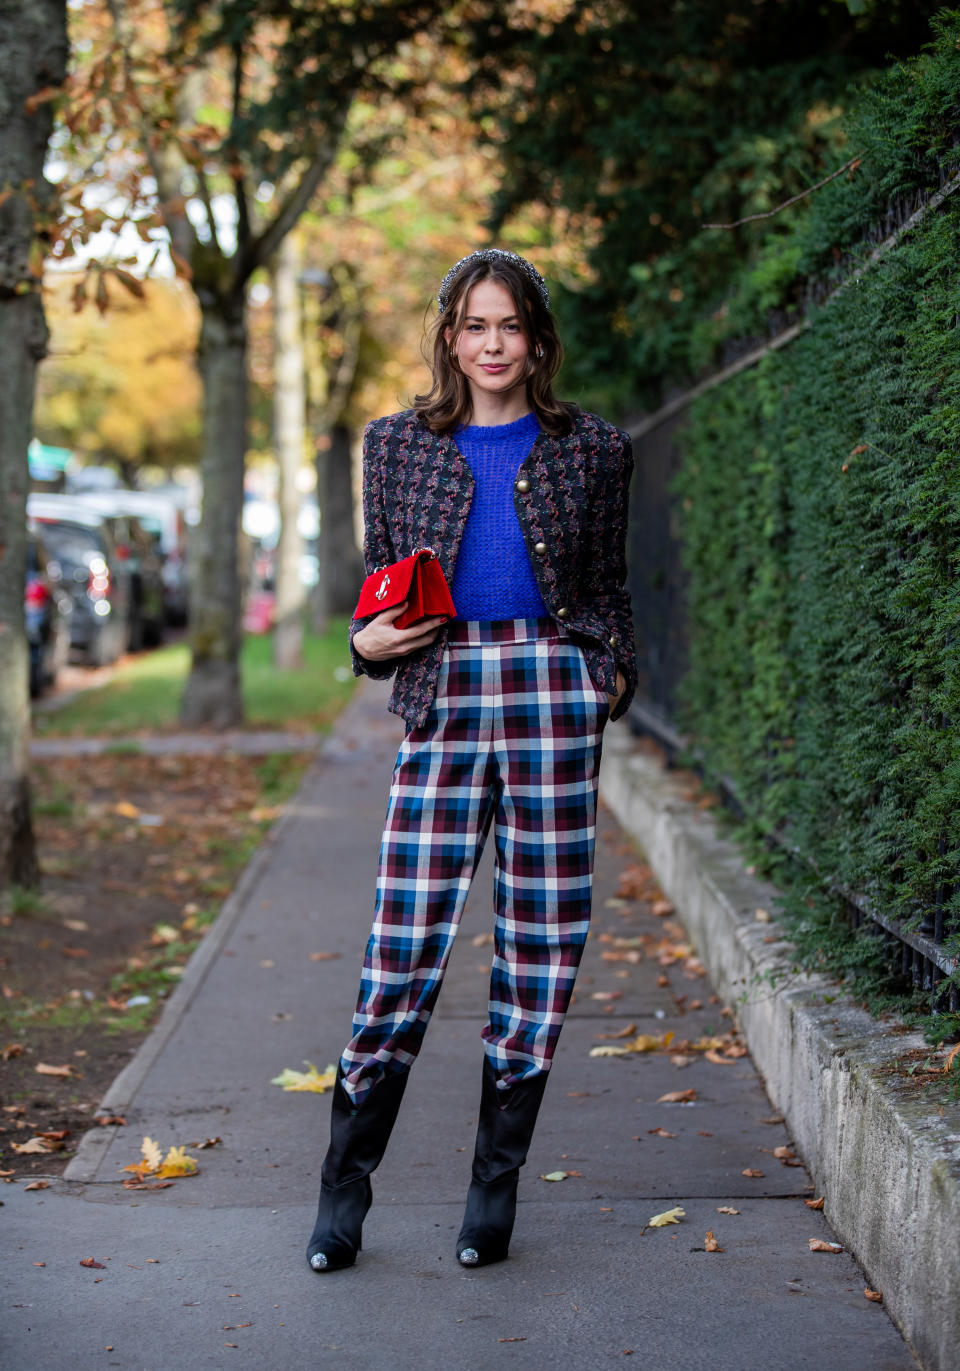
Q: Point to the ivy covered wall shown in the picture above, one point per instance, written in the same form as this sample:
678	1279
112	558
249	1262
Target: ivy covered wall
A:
819	506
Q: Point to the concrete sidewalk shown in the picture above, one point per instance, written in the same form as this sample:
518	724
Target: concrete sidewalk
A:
211	1273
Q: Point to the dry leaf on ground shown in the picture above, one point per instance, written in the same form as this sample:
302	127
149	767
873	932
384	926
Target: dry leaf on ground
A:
678	1097
627	1032
151	1158
92	1261
154	1164
872	1294
44	1069
815	1204
727	1209
752	1172
11	1050
324	956
559	1175
313	1079
177	1163
667	1217
715	1057
38	1185
38	1145
818	1245
661	1132
710	1243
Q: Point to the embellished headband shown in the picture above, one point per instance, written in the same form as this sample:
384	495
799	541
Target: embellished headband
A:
491	255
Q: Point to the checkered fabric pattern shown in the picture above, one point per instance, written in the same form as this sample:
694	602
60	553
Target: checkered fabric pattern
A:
514	738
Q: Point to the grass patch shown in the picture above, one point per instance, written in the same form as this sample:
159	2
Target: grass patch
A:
144	694
25	903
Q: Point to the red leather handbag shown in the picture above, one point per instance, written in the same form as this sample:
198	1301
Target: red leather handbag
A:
418	579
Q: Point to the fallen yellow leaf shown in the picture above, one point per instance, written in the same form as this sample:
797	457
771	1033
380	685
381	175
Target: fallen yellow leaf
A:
313	1079
555	1176
126	810
667	1217
609	1050
176	1163
37	1145
644	1042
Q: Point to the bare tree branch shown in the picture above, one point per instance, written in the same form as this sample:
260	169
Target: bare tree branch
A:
261	249
234	166
769	213
204	188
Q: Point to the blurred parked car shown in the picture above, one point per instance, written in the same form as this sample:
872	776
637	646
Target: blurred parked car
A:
117	601
46	612
163	519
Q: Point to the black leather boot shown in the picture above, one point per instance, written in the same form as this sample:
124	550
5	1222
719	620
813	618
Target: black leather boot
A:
358	1140
507	1120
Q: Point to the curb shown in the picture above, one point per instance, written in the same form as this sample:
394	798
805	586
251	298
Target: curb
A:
887	1161
83	1168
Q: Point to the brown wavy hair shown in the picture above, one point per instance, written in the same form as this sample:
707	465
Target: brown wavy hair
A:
447	404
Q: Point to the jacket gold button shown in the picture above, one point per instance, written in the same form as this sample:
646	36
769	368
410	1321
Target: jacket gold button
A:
563	613
539	548
523	485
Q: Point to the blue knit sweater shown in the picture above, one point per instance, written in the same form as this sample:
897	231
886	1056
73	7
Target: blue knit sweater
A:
493	578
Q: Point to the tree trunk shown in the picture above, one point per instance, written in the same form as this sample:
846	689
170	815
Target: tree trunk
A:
33	56
341	561
289	410
212	694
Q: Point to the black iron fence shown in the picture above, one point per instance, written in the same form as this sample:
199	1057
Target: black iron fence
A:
918	957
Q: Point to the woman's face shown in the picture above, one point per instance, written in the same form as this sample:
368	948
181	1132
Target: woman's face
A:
491	348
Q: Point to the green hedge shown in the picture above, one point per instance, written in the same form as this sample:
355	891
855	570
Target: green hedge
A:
820	520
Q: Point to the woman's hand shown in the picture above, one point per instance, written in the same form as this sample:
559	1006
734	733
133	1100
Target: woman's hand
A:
379	640
621	687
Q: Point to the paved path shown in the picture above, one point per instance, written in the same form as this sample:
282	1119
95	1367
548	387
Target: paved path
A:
211	1273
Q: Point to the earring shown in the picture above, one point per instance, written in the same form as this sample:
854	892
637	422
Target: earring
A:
539	350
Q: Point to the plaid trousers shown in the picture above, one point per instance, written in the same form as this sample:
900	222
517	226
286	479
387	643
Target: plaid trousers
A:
514	737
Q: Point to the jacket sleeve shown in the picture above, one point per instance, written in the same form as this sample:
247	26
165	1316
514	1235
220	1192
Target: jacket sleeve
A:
604	591
377	548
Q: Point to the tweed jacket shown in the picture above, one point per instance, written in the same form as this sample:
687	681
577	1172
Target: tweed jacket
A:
570	495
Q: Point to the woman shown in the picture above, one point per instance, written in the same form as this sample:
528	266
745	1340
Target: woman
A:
523	499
